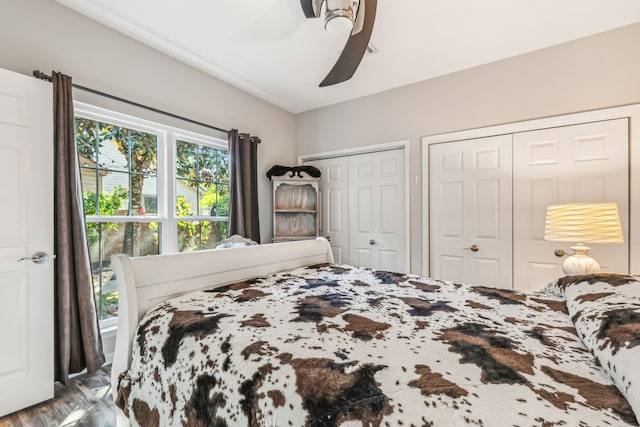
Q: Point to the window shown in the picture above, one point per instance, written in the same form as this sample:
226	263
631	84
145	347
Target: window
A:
147	189
202	186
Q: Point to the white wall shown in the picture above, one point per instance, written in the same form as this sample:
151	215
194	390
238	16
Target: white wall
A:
41	34
595	72
591	73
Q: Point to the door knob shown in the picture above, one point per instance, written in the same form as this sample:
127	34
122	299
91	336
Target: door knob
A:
472	248
559	253
372	242
38	258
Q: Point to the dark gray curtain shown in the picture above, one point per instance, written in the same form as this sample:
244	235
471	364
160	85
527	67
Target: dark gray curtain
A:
243	206
78	344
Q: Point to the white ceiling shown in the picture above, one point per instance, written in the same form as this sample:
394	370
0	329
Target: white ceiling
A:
269	49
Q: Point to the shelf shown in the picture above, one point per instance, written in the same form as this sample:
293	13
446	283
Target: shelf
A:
296	197
313	211
287	238
295	213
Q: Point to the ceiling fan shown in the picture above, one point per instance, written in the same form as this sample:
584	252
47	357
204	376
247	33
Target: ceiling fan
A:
345	16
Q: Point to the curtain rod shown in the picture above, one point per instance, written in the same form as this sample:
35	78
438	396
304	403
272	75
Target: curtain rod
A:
42	76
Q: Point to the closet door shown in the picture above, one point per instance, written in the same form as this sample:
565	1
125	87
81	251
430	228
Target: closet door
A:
334	204
470	211
377	210
580	163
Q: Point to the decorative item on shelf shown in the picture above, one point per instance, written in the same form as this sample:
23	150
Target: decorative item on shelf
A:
279	170
295	202
582	223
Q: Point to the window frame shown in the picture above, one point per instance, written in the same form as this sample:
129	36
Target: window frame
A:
167	137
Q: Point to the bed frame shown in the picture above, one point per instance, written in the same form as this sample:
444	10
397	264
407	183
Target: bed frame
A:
144	282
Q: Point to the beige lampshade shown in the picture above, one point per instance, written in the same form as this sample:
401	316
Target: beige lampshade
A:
583	222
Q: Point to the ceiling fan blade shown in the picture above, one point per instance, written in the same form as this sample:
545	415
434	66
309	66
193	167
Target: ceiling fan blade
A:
360	14
353	51
311	8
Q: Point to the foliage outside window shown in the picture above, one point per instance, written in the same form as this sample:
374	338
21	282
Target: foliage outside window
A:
127	201
202	185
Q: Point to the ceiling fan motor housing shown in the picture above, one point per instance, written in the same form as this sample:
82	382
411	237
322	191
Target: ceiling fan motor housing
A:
340	16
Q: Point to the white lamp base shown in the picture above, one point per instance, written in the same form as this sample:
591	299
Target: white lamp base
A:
580	262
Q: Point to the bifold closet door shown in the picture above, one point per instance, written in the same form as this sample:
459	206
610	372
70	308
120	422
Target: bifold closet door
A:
363	209
333	206
377	210
580	163
470	211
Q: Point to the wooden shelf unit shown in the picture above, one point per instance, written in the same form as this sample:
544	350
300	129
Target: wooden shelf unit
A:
295	207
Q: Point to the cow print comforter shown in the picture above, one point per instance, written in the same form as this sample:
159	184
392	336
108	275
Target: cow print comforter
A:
337	345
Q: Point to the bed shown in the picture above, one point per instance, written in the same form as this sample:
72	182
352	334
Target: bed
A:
279	335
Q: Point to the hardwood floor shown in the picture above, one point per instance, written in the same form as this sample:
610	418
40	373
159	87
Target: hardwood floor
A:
85	402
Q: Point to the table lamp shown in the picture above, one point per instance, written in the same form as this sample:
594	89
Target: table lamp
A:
581	223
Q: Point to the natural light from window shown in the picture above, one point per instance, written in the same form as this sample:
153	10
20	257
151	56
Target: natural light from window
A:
130	171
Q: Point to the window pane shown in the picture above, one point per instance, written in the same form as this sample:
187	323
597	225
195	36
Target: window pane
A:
144	152
223	200
186	154
106	239
150	205
198	235
114	194
222	166
105	289
207	164
208	200
143	187
186	198
86	131
112	147
89	191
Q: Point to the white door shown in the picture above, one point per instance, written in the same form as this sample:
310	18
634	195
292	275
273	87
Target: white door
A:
377	210
580	163
470	211
334	204
26	227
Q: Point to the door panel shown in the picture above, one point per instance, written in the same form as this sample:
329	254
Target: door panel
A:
486	270
451	209
377	205
451	267
470	204
364	257
334	207
544	192
363	209
580	163
26	224
13	311
487	206
334	204
12	229
389	198
388	260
